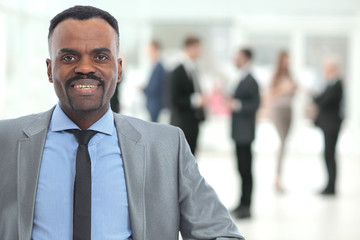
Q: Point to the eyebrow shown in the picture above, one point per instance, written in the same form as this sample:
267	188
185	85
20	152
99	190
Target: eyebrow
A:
67	50
96	50
102	49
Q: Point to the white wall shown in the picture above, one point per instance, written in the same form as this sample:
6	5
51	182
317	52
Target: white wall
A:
23	30
2	65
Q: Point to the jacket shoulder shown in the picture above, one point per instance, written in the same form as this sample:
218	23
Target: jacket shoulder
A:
160	66
251	80
149	130
180	69
11	130
10	127
159	139
17	123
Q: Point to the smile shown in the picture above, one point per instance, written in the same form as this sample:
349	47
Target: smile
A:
85	87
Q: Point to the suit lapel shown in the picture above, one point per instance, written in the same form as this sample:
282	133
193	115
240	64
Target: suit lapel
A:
189	80
29	158
240	87
29	161
133	155
243	85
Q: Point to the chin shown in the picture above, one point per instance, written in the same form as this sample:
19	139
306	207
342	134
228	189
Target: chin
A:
86	109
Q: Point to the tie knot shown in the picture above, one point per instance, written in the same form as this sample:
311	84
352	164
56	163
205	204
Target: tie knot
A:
83	136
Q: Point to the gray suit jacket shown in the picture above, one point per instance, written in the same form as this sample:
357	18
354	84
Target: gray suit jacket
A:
166	192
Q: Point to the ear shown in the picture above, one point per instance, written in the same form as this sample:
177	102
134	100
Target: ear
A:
49	70
119	69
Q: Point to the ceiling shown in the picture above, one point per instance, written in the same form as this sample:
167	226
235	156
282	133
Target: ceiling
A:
181	9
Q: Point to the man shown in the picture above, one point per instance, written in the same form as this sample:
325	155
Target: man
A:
186	99
244	104
140	180
154	91
329	119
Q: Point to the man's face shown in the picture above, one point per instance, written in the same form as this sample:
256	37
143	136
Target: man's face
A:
194	51
330	70
84	66
153	52
240	59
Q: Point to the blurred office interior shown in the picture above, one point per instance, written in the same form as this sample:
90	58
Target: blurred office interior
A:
308	30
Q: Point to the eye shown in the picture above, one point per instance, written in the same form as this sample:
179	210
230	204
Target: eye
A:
101	57
68	58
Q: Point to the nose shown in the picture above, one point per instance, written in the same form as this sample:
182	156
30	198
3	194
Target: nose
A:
85	66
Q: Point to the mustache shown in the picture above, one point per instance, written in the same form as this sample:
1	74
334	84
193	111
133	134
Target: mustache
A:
83	76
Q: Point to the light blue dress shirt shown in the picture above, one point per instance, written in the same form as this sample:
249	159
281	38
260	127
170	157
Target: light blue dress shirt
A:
53	217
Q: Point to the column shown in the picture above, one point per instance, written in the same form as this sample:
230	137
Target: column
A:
2	65
352	86
238	35
305	139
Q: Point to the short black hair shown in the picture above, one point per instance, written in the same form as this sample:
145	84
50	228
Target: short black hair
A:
84	13
156	44
191	41
247	52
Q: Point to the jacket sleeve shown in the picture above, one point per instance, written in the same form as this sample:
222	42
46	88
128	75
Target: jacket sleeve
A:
330	97
202	215
156	81
251	100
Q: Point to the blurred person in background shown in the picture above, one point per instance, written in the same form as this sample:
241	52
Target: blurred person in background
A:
329	118
154	91
187	101
244	105
282	90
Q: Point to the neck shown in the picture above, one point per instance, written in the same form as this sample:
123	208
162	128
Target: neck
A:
245	68
331	79
86	119
155	60
188	56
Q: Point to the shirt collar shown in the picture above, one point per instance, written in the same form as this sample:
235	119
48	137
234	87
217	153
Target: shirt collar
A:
241	75
331	82
60	122
245	70
189	64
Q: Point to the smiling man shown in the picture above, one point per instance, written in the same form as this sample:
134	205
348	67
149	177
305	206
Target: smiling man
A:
84	66
80	171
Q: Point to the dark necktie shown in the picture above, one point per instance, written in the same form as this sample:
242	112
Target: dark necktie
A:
82	187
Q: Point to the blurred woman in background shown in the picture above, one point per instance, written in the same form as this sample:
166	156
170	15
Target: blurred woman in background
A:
282	90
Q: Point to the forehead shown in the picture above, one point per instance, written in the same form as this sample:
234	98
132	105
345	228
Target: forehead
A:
196	45
94	32
240	54
328	64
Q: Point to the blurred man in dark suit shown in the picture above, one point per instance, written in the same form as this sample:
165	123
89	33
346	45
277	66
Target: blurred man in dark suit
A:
244	105
186	98
155	89
329	118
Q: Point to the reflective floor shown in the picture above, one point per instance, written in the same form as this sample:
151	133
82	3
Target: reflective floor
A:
300	212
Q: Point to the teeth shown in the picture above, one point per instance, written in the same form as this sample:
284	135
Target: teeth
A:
84	86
